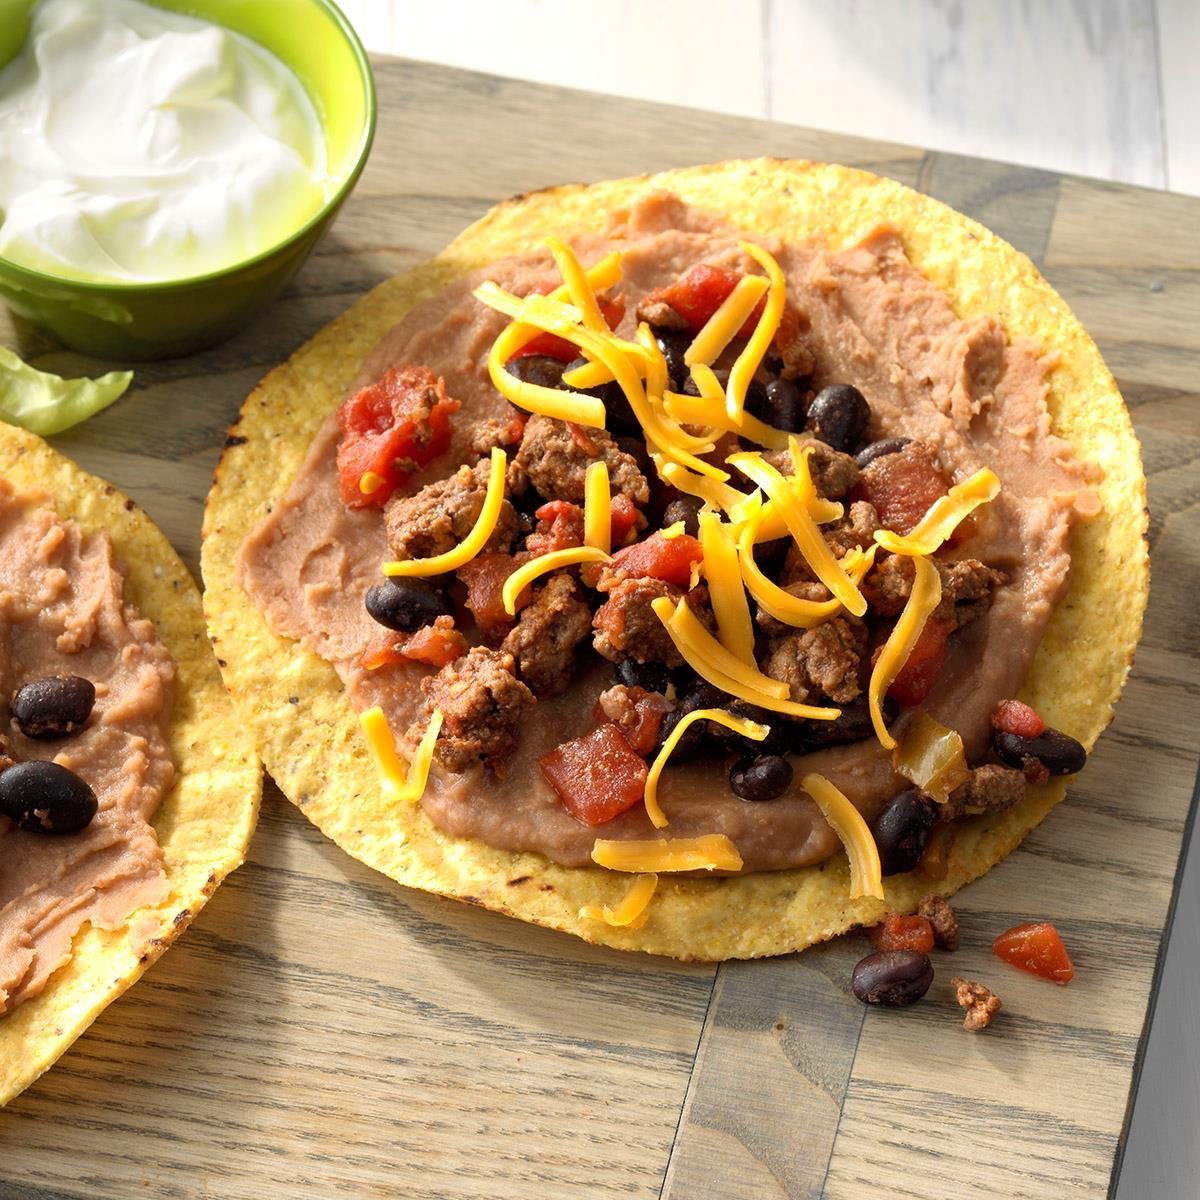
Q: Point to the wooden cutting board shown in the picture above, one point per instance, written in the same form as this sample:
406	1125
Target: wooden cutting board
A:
322	1032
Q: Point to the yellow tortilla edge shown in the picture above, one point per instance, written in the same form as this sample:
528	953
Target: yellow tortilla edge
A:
1091	637
204	823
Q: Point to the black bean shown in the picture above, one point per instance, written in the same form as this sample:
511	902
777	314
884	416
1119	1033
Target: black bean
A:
537	368
692	389
46	797
780	740
699	737
893	978
838	416
765	777
779	404
674	343
649	675
1058	753
619	416
54	706
852	725
868	454
901	831
406	604
685	509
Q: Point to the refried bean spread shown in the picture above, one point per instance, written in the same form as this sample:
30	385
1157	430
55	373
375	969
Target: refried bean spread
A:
951	396
63	613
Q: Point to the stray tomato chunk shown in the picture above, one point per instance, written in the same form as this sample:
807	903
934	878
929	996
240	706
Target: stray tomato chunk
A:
624	518
1037	948
1011	716
903	487
597	776
559	527
390	429
550	345
484	576
899	932
436	644
923	666
657	557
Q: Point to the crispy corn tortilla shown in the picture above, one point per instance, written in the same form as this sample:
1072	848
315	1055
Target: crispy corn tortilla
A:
204	822
308	734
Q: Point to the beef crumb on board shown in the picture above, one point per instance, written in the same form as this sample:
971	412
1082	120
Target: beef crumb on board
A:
545	637
555	456
937	911
482	703
435	519
981	1003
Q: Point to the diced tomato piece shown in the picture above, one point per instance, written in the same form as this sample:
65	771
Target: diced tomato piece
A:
597	776
1011	716
559	527
436	644
1037	948
484	576
698	294
657	557
899	932
903	487
550	345
389	429
641	727
624	518
923	666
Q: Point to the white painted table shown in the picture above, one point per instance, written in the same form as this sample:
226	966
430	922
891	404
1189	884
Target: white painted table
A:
1106	88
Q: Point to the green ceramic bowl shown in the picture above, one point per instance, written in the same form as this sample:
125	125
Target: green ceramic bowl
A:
161	320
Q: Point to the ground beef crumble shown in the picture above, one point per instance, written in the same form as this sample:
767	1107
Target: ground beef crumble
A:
555	460
627	627
545	637
821	662
833	473
991	788
439	516
981	1003
937	911
482	701
967	587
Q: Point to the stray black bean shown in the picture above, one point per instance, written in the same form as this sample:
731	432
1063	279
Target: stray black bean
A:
1058	753
838	416
901	831
46	798
894	978
868	454
763	778
406	604
55	706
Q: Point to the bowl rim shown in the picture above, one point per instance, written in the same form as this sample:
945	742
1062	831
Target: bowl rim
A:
143	287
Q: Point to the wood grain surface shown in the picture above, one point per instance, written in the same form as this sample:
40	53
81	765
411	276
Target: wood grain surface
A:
322	1032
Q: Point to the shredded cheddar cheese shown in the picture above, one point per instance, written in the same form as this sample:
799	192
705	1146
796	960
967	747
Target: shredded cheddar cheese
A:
578	286
746	363
400	782
370	483
597	507
944	516
475	541
526	573
709	852
631	911
725	589
722	327
709	412
866	872
713	492
709	659
925	597
742	725
671	531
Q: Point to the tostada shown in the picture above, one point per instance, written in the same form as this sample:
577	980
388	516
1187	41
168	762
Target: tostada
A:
127	789
663	538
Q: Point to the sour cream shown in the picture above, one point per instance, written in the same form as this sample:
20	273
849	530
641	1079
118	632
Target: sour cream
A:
139	145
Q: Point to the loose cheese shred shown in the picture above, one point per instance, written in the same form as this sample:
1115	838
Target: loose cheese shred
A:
742	725
471	545
400	782
866	873
631	911
370	483
526	573
780	603
746	363
944	516
802	527
672	531
925	596
597	507
722	327
709	852
725	588
709	659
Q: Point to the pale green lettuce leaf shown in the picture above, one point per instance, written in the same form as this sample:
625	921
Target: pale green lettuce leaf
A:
47	404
